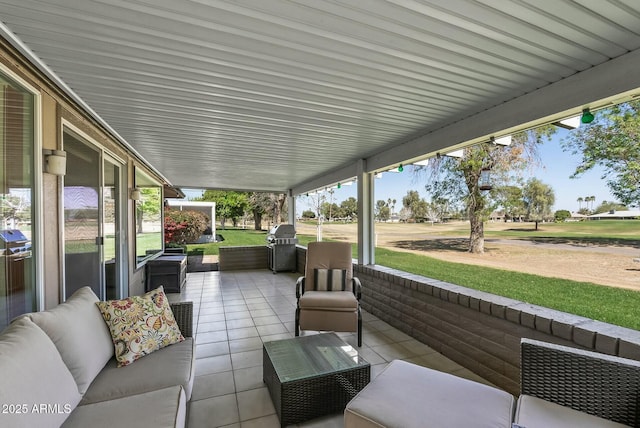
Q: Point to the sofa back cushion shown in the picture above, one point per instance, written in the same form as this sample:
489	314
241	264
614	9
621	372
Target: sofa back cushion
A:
78	331
35	385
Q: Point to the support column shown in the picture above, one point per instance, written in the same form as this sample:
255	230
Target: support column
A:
366	242
291	204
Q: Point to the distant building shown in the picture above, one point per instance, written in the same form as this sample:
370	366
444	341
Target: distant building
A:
616	215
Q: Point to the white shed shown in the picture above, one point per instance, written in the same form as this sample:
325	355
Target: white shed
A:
208	208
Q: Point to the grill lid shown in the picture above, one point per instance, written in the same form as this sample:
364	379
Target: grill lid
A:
282	231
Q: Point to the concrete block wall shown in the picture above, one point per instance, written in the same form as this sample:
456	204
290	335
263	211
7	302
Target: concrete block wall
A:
243	258
478	330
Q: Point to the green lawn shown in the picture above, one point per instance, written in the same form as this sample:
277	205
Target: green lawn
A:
232	238
600	230
608	304
613	305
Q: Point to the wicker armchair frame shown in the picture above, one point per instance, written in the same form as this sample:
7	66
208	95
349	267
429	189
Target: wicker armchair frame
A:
183	313
590	382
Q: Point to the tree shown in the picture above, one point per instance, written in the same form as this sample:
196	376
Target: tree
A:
538	200
229	204
308	214
510	199
606	207
259	204
611	142
458	178
382	210
562	215
580	200
349	208
416	205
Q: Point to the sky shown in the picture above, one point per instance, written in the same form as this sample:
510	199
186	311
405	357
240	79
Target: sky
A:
557	166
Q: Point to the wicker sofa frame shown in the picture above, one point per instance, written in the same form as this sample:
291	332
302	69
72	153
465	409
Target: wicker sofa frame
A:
598	384
183	313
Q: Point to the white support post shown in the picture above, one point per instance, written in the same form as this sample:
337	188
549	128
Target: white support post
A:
366	245
291	204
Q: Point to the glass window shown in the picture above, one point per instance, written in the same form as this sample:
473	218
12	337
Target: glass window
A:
17	270
149	228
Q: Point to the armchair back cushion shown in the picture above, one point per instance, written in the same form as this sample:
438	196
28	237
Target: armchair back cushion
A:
331	256
80	334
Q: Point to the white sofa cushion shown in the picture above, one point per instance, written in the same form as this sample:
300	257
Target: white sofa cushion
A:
163	408
33	379
410	396
172	365
79	332
533	412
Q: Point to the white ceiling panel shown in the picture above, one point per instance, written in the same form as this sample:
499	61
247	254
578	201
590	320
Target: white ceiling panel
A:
273	94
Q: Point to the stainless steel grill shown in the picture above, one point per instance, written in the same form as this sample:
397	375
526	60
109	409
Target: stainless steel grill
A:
282	242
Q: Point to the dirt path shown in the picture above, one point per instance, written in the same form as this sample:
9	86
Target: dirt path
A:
605	265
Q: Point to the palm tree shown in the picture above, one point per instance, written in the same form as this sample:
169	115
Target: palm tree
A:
580	203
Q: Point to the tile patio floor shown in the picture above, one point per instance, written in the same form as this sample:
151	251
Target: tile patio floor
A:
234	313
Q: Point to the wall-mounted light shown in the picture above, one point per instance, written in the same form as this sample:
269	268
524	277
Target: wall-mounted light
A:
134	194
587	116
55	162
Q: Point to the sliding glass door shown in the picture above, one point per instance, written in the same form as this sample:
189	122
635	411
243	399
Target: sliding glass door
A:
92	220
17	204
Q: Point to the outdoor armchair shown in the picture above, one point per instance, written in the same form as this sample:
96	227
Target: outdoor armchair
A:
328	295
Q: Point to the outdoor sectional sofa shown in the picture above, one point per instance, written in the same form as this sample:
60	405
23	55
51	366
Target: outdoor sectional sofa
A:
57	368
561	387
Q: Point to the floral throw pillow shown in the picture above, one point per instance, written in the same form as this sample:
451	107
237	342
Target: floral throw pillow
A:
140	325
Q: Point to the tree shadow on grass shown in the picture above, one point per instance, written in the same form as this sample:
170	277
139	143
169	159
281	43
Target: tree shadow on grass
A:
445	244
583	241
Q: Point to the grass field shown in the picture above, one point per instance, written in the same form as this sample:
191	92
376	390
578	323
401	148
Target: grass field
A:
613	305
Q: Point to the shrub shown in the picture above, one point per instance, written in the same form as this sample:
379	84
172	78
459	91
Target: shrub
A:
184	227
562	215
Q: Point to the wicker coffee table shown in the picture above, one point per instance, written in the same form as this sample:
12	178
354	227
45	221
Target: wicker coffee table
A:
311	376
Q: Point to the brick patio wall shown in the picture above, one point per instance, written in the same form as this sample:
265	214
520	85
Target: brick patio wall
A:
478	330
243	258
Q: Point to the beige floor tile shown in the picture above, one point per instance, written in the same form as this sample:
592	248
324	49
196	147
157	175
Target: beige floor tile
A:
254	403
242	333
242	345
214	412
270	421
212	336
209	365
213	385
248	378
242	360
212	349
270	329
240	323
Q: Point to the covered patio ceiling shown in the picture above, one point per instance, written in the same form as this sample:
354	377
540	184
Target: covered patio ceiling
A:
273	95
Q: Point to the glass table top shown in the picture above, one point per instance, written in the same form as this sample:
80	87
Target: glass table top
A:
307	356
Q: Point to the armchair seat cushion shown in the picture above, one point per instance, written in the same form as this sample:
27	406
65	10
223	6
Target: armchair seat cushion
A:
329	301
534	412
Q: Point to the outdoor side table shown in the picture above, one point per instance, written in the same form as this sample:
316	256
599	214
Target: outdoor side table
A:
311	376
169	270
